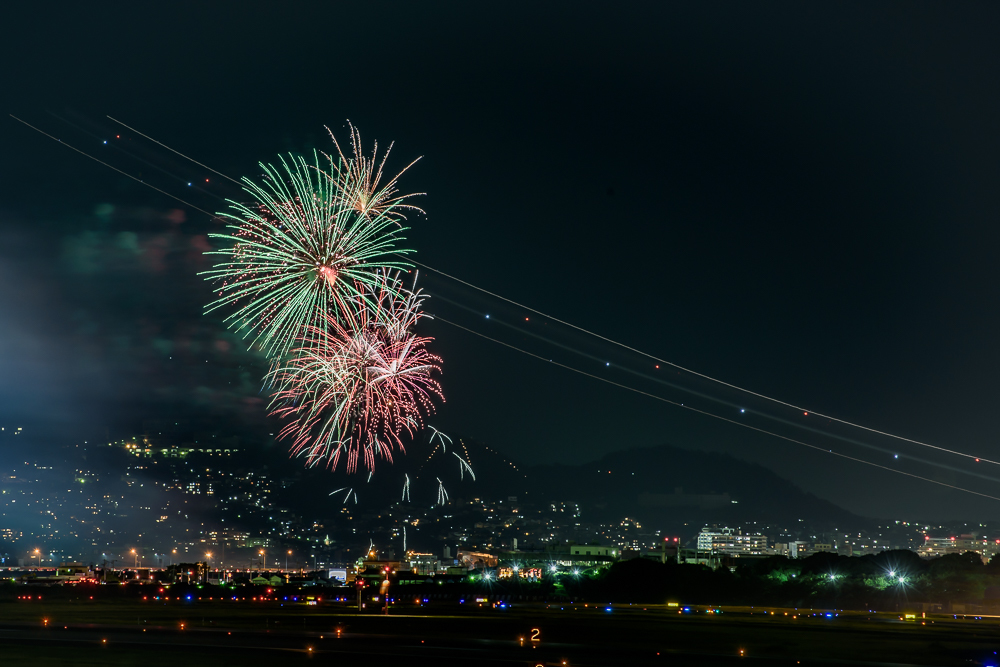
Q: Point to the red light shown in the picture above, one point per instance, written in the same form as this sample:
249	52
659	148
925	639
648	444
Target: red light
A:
805	414
526	319
657	367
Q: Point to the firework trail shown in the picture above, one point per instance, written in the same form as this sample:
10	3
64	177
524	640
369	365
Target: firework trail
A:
463	466
442	494
440	436
348	496
358	182
357	386
302	251
404	540
406	489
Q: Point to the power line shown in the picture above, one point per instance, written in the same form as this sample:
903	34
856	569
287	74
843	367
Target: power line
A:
696	373
543	314
709	414
127	175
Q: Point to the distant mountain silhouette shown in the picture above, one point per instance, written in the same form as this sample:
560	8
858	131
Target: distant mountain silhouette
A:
667	487
664	488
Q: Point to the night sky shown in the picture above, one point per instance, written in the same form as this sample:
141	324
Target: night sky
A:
800	199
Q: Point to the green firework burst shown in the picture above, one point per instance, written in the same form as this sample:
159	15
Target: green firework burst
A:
300	253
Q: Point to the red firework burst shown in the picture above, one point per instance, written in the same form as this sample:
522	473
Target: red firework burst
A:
356	386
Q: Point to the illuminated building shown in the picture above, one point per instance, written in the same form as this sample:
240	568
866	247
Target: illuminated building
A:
729	542
939	546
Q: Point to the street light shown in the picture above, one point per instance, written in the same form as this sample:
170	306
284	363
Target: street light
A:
38	554
136	559
286	559
263	563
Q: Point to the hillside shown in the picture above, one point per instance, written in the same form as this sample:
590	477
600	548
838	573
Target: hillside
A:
668	486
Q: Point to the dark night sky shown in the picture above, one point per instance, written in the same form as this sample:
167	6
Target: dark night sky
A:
797	198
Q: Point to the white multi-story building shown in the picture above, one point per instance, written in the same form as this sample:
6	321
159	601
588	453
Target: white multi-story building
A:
939	546
729	542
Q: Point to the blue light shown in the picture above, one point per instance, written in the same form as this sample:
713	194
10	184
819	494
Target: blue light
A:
608	364
189	597
189	185
105	141
895	456
607	609
487	317
742	410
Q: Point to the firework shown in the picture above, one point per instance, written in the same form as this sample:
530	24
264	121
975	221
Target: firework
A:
440	436
305	247
463	466
348	496
359	182
357	386
406	489
442	494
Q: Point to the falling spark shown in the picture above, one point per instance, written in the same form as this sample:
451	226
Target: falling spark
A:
440	436
442	494
463	466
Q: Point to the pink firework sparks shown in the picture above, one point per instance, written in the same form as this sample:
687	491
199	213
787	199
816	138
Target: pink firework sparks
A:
356	386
